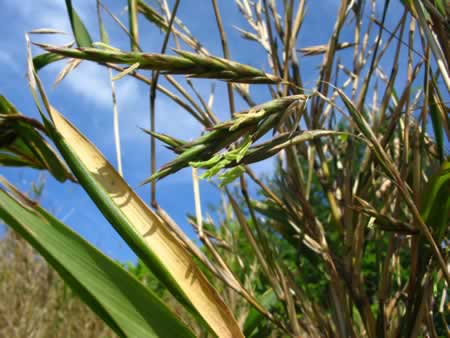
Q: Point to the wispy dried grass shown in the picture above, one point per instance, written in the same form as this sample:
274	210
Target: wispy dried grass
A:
35	302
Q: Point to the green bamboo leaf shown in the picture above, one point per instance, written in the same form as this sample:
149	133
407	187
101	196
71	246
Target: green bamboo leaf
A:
79	30
12	160
125	304
19	136
436	206
141	228
7	107
44	153
268	300
20	149
436	122
440	4
103	33
45	59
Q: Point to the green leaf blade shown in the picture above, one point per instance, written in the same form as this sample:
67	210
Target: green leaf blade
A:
80	32
127	306
45	59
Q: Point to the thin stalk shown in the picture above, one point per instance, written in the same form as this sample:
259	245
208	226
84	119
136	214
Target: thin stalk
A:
226	53
114	98
116	124
155	76
133	20
362	96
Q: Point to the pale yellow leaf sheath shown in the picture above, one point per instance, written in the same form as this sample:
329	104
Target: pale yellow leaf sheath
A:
124	203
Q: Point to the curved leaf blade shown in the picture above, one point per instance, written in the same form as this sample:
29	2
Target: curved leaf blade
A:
126	305
79	30
254	318
436	121
21	143
45	59
436	207
142	229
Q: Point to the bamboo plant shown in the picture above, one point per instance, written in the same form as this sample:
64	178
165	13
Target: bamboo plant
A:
350	237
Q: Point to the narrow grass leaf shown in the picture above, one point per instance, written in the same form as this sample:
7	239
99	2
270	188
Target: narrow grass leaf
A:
27	144
79	30
141	228
436	122
45	59
254	318
12	160
436	207
126	305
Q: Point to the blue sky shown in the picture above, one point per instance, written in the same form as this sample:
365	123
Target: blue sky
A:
85	98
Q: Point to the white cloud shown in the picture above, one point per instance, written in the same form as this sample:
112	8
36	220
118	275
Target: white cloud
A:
133	103
7	59
48	13
90	81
